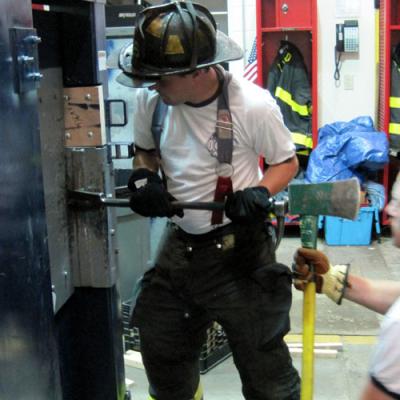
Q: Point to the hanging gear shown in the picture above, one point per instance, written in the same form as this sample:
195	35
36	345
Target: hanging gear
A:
173	38
394	125
288	82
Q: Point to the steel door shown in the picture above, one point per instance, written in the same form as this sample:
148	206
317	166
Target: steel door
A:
29	360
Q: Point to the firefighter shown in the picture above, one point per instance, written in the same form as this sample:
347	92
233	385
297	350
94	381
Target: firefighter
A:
211	266
380	296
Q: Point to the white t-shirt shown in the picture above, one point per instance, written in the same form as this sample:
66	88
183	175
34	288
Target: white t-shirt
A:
385	365
188	145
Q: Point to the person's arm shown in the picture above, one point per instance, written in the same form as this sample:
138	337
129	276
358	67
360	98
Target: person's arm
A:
336	282
277	177
254	203
146	159
150	197
375	295
371	392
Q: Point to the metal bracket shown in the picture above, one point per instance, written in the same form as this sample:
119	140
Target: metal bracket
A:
116	150
24	46
84	117
93	242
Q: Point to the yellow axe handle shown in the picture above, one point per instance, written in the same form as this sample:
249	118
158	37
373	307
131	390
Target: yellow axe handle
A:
307	371
309	233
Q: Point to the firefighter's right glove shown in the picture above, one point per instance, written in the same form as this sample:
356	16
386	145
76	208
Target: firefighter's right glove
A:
249	205
149	196
330	280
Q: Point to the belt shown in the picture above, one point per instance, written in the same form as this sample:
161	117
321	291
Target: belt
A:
217	233
223	237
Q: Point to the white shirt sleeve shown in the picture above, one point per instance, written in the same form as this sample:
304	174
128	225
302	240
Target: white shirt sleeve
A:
144	106
385	365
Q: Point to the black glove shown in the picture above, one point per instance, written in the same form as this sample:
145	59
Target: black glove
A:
249	205
149	196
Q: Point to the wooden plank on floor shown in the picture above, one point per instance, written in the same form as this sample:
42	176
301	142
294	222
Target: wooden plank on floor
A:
133	359
323	353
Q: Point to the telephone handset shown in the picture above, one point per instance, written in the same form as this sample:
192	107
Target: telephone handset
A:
347	37
346	42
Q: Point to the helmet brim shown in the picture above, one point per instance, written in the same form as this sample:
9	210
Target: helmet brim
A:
146	76
129	80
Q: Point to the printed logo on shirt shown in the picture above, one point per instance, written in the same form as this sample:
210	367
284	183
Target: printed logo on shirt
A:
212	145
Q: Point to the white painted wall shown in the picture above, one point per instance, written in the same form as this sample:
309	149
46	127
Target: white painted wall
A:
336	103
242	28
341	103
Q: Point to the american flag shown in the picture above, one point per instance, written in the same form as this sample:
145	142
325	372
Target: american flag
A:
250	70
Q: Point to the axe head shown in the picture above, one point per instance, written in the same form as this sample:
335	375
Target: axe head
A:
338	198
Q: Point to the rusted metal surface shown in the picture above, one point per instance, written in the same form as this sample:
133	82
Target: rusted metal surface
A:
84	117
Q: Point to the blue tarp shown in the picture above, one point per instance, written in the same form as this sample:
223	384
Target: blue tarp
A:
345	149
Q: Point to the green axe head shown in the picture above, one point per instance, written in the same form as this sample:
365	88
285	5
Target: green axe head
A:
339	198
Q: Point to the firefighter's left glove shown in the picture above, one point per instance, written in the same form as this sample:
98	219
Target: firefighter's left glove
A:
249	205
149	196
330	280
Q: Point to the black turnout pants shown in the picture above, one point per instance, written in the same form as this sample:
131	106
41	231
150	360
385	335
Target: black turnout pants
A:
229	276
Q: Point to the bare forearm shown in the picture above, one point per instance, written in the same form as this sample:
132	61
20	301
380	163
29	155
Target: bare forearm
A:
375	295
144	159
278	176
371	392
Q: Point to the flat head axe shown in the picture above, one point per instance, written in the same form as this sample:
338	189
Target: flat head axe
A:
340	199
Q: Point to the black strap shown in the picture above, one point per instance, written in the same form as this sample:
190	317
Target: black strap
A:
224	127
224	136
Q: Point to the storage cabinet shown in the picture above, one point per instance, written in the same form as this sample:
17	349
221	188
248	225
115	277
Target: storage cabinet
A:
294	13
389	36
294	21
286	13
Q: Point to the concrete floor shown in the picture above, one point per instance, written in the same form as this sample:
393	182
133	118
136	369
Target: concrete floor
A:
339	378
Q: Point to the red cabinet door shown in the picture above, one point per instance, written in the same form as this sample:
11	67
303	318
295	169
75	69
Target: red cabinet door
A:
293	13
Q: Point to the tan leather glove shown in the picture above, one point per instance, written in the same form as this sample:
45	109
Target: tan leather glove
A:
330	280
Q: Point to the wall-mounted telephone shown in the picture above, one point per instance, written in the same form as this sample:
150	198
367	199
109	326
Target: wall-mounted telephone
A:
347	37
